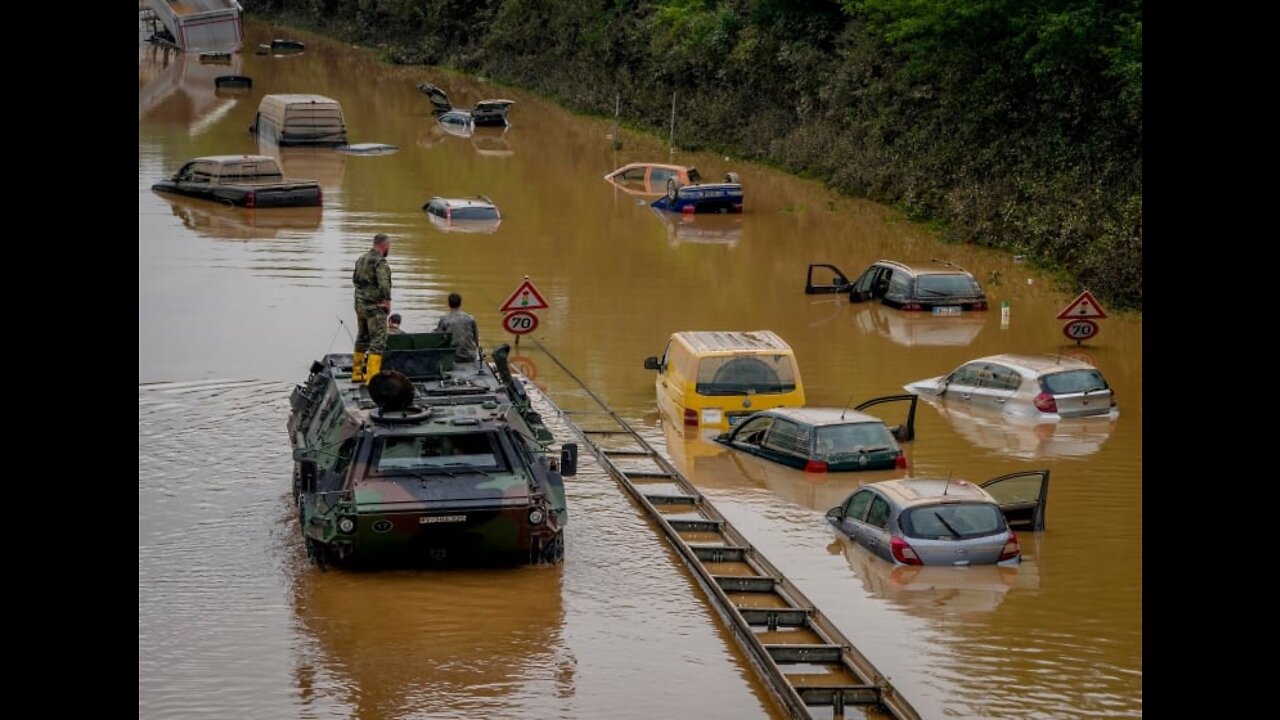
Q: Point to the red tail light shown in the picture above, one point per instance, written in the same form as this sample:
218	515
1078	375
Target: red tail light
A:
900	462
902	552
1045	403
980	305
691	417
448	213
1011	548
1113	401
912	306
816	466
687	210
251	199
319	196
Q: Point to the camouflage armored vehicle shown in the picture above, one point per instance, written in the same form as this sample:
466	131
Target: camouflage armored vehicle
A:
434	461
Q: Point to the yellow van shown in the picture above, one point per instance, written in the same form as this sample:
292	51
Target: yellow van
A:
715	379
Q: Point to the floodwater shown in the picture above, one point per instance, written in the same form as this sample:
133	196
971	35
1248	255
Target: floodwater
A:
233	305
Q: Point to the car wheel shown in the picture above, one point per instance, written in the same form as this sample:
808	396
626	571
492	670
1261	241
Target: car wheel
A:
673	189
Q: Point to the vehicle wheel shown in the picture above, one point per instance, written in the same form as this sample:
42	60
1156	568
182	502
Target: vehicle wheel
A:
673	189
553	552
732	177
317	553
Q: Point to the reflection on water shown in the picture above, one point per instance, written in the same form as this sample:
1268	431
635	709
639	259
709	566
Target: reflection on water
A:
225	628
931	590
175	87
1026	438
706	228
387	644
487	141
918	328
219	221
322	164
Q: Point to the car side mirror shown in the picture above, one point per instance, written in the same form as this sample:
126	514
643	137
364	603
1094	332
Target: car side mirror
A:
836	513
651	363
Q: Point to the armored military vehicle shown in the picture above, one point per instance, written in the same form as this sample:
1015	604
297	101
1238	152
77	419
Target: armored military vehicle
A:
435	461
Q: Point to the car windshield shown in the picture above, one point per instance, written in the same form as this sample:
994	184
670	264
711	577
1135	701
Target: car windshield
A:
953	521
740	375
436	453
839	440
956	284
474	213
1073	381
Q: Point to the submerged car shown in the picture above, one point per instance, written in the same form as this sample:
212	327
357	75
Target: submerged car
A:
680	186
939	286
486	113
944	521
1038	387
432	461
251	181
825	439
474	215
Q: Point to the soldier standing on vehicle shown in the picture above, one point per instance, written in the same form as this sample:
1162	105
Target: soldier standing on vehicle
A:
466	337
372	280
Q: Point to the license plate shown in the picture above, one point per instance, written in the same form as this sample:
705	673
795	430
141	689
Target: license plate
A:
711	416
946	310
735	419
441	519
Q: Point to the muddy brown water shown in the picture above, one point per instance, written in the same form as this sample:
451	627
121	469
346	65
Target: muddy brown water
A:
234	304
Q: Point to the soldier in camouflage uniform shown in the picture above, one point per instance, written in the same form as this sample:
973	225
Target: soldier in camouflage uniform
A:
372	280
466	337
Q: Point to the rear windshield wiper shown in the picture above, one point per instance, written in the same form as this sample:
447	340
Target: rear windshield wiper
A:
944	522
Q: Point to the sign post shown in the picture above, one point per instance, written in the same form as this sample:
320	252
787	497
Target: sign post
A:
1080	315
519	317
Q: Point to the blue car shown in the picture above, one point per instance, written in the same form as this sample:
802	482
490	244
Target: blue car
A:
725	197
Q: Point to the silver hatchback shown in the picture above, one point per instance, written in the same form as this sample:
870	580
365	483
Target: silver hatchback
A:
1039	387
944	521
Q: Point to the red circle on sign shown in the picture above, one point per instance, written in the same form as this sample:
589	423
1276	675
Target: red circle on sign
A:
520	322
1080	330
523	365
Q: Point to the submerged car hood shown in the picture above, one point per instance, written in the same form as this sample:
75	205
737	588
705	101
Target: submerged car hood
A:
932	386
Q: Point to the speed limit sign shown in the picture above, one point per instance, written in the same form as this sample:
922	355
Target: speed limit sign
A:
1080	330
520	322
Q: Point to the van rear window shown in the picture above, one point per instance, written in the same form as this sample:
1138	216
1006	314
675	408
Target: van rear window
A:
746	374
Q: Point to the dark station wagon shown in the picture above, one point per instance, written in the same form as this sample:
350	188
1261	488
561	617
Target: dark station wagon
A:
936	285
825	439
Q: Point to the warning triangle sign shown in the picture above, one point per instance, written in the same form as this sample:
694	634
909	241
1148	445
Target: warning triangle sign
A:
526	297
1083	307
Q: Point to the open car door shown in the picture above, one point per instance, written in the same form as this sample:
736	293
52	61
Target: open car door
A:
906	430
1022	497
830	280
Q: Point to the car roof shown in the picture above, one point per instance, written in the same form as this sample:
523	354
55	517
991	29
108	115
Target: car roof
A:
289	98
1037	364
465	202
908	492
926	267
730	342
824	416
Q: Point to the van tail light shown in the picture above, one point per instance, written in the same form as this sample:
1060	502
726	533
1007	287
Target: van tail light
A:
1011	548
912	306
980	305
1045	403
816	466
319	196
902	552
1113	401
251	199
900	462
448	213
691	417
